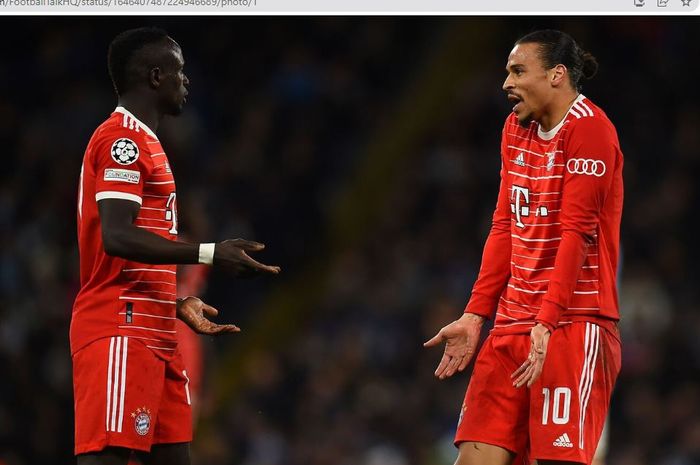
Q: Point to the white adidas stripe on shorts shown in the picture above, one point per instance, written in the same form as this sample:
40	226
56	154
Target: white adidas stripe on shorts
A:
116	383
591	344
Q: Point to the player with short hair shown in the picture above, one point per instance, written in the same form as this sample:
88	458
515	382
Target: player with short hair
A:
130	385
547	274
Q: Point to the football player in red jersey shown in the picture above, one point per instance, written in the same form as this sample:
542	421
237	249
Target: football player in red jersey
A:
130	385
542	381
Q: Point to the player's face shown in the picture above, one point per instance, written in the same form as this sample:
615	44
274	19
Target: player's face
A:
174	82
527	84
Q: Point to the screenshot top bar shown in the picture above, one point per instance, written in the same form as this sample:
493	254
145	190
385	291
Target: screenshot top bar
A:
479	7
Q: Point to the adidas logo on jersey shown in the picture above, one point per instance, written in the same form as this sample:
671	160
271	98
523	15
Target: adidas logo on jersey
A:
520	159
563	441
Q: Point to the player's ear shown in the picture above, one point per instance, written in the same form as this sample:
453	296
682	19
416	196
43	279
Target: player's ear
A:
154	77
558	75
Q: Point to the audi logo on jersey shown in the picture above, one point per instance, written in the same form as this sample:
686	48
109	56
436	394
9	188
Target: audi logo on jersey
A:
586	166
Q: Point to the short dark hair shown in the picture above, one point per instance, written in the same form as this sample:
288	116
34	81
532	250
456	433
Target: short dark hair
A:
122	50
557	47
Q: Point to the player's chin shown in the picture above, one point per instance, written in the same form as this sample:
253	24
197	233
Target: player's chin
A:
524	118
177	109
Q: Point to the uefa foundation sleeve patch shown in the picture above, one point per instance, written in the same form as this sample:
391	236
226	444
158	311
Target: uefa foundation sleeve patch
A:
116	174
125	151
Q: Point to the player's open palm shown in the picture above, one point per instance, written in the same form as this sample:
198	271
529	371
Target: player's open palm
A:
233	255
194	313
461	338
531	369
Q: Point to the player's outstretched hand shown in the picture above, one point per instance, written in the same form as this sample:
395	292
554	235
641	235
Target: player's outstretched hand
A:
461	338
531	369
233	255
194	313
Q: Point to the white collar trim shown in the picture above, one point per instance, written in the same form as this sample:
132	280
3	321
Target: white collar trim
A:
549	135
126	112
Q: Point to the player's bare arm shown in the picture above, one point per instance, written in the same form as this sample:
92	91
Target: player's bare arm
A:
123	239
461	338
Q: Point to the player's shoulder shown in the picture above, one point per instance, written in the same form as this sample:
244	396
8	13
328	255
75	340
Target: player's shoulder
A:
586	116
123	136
122	123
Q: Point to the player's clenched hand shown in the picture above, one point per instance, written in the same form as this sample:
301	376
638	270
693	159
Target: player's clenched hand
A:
233	255
194	313
531	369
460	337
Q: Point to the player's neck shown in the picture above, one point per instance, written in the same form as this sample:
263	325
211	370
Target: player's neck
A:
557	111
142	110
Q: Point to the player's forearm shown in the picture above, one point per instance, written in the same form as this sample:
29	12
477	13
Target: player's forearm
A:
136	244
567	266
493	275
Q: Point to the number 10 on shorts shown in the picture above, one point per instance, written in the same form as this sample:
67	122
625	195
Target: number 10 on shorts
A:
561	405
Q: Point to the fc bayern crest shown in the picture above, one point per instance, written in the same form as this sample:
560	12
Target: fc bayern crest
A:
125	151
142	421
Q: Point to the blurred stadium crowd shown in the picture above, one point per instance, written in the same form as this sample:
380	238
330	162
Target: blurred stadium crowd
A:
364	153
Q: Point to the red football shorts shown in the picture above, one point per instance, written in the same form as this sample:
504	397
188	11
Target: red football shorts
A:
561	416
125	396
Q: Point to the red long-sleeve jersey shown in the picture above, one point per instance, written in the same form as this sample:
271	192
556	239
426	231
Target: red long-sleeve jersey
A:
551	256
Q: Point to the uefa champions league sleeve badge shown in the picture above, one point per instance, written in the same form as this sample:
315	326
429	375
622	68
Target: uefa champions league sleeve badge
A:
125	151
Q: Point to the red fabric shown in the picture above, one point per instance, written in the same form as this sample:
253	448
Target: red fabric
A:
582	364
154	407
559	261
111	286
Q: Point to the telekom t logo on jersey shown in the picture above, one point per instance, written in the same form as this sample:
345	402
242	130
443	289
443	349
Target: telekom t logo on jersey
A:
520	205
520	200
